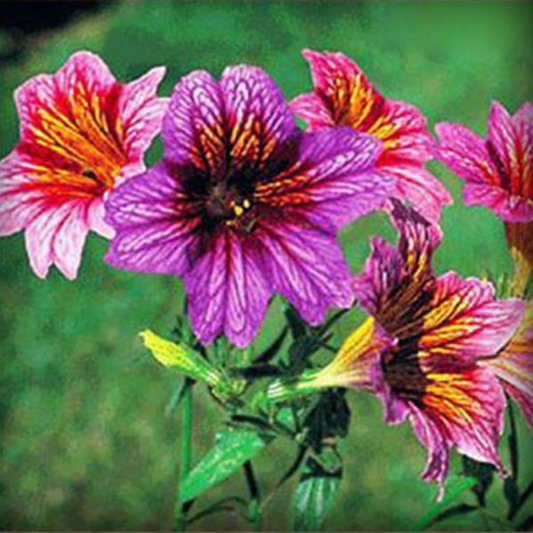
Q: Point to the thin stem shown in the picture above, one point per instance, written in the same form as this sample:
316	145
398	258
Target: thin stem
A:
254	507
513	441
185	455
523	498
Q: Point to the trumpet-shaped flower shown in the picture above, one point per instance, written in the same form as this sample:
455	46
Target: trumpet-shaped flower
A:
243	204
422	348
81	133
343	96
444	326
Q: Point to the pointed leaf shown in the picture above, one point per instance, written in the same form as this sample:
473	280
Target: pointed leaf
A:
232	448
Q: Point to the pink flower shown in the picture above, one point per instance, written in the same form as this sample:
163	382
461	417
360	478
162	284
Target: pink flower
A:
81	133
343	96
445	326
428	349
498	172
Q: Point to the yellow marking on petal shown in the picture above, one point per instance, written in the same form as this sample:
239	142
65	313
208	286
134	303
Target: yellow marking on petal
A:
84	139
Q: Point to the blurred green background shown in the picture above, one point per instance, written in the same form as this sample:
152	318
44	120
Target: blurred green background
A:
85	443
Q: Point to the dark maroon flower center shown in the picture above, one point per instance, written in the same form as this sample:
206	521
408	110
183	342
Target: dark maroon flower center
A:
403	371
227	202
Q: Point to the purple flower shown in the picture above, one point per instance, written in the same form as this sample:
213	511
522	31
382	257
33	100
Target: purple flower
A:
243	204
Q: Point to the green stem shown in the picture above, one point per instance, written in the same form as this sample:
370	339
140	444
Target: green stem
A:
185	455
254	507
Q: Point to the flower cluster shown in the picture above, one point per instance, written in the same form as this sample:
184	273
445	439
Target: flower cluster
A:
245	204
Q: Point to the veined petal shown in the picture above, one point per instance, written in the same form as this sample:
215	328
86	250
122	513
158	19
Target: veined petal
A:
396	282
306	266
313	110
465	322
155	229
57	236
194	129
464	411
465	153
141	112
514	365
416	185
260	123
227	291
333	181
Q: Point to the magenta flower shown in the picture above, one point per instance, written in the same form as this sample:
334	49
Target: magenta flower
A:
499	171
444	326
343	96
243	205
428	350
81	133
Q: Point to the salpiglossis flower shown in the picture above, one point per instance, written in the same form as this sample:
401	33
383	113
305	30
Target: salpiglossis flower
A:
81	133
343	96
422	348
444	325
498	173
243	204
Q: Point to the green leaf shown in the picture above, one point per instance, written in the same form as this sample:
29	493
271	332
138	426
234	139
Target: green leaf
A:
456	510
232	448
314	496
456	486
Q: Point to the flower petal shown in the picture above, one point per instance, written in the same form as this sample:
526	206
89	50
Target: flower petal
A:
464	410
313	110
514	365
194	131
395	283
306	266
333	180
466	322
227	291
259	121
57	236
153	233
141	112
419	187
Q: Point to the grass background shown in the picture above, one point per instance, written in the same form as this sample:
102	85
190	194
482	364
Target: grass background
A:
84	443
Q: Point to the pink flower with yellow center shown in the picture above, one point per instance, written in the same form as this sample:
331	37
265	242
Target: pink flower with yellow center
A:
343	96
81	133
423	350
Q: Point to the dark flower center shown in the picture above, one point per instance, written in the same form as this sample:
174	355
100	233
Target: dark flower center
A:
404	373
228	202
